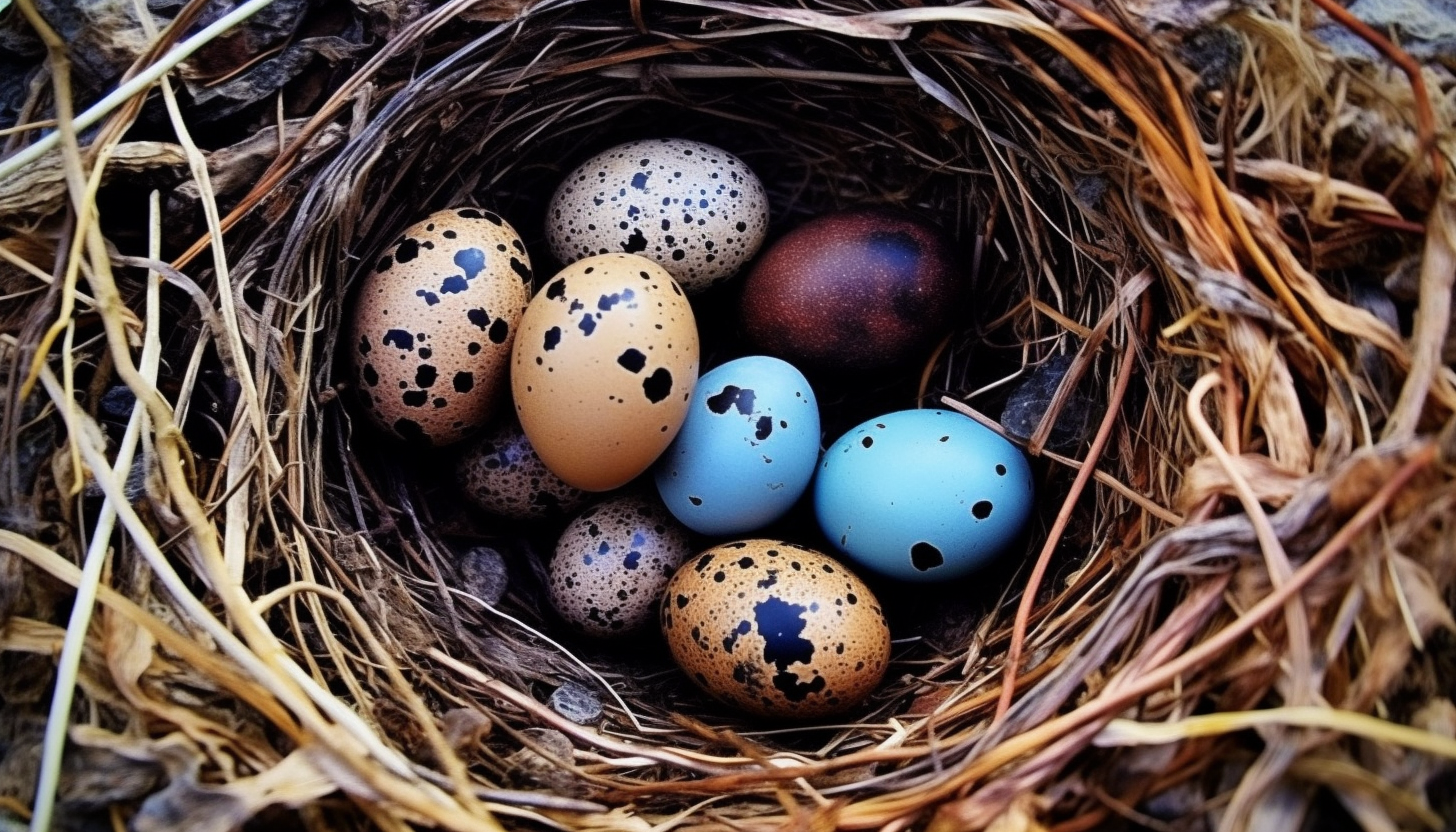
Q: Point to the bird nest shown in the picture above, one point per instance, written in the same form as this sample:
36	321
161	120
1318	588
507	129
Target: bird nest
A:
1222	241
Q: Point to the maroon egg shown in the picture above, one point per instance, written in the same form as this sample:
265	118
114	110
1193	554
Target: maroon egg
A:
854	290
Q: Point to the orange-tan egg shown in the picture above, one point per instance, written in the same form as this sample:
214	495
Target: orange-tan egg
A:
776	629
433	324
603	367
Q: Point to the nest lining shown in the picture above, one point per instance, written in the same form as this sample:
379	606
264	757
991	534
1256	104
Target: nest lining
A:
1096	230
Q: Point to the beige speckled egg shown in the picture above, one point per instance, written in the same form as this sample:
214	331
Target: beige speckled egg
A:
433	323
503	476
611	563
603	367
776	629
695	209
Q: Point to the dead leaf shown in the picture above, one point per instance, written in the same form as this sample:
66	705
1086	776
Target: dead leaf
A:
40	189
1272	485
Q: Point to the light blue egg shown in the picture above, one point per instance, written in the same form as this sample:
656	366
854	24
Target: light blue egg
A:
922	495
746	451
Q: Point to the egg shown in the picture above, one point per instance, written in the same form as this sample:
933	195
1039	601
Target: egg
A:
853	290
922	495
504	477
746	451
776	629
612	562
603	368
432	325
695	209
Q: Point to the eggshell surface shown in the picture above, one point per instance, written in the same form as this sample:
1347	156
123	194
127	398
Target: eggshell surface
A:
612	562
433	324
603	369
695	209
922	495
747	449
853	290
776	629
503	476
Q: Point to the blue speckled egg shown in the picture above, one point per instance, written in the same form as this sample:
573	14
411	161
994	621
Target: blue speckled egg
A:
922	495
746	450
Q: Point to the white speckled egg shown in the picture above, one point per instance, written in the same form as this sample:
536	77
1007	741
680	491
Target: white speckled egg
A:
611	564
503	476
432	325
776	629
603	368
695	209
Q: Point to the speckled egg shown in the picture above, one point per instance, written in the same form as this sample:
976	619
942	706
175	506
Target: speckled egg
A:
432	325
923	495
603	368
503	476
747	449
611	563
776	629
695	209
852	290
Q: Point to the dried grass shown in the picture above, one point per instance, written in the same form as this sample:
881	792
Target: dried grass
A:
1233	581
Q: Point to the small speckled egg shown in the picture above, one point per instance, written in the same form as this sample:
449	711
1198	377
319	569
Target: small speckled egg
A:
852	290
611	564
503	476
603	368
776	629
922	495
432	325
695	209
747	449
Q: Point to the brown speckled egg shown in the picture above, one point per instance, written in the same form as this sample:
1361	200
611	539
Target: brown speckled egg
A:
603	368
433	323
776	629
612	562
854	290
503	476
695	209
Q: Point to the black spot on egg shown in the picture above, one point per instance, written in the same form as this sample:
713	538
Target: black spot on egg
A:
981	510
658	385
732	396
407	251
479	317
499	331
399	339
415	398
632	360
463	382
425	375
925	557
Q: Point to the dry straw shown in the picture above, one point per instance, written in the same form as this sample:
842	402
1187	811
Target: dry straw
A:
1234	611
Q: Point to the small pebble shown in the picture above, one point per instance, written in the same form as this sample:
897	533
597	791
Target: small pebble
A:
577	703
1029	402
483	574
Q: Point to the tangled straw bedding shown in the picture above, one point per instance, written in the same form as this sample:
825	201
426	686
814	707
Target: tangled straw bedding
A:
1250	557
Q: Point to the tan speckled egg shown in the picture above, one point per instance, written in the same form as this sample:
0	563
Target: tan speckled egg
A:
776	629
503	476
433	323
693	208
611	563
603	367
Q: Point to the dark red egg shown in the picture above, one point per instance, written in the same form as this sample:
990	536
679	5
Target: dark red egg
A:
852	290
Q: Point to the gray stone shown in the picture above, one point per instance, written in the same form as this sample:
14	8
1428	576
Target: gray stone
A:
1029	402
577	703
483	574
1425	29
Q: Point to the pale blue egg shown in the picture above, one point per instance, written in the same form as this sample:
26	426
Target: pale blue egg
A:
746	451
922	495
